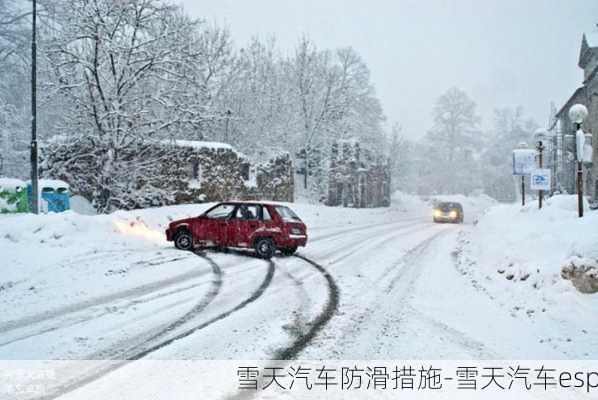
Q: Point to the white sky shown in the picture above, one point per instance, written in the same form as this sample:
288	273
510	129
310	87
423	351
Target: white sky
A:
501	52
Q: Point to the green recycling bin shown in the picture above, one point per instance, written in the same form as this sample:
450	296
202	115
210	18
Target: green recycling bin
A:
13	196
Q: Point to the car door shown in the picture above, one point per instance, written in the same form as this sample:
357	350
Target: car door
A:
212	231
243	225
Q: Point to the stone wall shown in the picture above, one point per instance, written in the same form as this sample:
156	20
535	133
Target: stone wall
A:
169	172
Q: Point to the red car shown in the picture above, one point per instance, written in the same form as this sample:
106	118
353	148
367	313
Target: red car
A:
264	227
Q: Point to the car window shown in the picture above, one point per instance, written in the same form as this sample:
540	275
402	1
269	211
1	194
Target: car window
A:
266	214
247	212
220	212
287	214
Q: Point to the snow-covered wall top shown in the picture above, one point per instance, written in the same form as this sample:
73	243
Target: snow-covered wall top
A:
199	145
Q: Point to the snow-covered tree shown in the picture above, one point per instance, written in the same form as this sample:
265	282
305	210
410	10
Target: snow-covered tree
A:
119	74
14	89
511	127
452	145
121	66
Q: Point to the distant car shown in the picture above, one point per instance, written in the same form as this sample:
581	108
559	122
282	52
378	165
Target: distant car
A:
264	227
448	212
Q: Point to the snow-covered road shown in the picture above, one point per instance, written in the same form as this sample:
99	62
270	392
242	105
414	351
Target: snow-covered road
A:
375	285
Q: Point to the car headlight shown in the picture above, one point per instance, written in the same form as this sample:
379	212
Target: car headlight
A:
453	214
437	213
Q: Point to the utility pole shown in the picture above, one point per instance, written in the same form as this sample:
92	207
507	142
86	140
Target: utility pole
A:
540	148
34	171
522	190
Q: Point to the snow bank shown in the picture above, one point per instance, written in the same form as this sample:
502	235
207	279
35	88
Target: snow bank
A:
409	203
515	254
55	259
536	239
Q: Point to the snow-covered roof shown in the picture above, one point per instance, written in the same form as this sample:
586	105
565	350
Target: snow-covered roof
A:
11	183
51	183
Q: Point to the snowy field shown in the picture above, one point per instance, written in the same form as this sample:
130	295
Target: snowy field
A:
371	284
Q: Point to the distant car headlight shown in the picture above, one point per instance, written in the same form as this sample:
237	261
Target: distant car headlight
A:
437	213
453	214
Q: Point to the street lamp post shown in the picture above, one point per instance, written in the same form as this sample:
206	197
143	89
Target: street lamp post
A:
577	114
540	148
34	171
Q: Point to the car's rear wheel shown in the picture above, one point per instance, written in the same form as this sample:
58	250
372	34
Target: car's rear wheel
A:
288	251
264	248
183	240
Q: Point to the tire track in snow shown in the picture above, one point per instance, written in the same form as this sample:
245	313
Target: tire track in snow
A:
408	264
409	274
373	242
300	318
319	321
364	227
454	335
303	339
101	371
362	321
134	345
73	321
97	301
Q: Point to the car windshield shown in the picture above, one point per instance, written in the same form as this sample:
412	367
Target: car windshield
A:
448	206
220	212
287	214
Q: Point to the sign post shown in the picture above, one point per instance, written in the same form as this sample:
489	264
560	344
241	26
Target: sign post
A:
524	161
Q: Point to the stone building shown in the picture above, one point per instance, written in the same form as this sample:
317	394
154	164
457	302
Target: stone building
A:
587	94
358	177
175	172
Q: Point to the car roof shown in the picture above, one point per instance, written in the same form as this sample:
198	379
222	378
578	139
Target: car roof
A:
259	202
448	203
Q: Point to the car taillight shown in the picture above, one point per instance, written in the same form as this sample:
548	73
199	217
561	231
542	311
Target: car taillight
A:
296	231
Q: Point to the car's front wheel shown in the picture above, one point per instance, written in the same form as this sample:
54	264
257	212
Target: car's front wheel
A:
264	248
183	240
